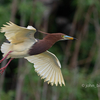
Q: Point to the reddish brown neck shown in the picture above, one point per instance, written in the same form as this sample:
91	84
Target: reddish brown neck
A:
43	45
52	37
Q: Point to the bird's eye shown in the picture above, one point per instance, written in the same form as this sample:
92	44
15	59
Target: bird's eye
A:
62	36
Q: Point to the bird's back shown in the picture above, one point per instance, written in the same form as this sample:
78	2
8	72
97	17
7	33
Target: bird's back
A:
39	47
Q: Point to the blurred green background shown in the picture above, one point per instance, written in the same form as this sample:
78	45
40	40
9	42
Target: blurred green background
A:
80	59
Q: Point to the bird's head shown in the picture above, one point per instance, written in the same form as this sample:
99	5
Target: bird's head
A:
61	36
57	36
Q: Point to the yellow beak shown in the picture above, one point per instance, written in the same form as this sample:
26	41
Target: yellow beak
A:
69	37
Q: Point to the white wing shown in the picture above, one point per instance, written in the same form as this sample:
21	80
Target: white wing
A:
48	67
16	34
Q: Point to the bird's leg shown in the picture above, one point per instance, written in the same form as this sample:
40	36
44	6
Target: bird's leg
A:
42	32
5	56
3	68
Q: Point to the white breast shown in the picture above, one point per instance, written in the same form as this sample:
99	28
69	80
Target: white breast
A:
21	50
23	46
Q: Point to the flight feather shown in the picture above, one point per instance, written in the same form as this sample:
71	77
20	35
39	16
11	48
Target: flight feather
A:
48	67
16	34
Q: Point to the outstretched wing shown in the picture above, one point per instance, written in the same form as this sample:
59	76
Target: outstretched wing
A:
48	67
16	34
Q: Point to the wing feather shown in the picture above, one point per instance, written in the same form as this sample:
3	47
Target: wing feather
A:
53	77
48	67
48	75
45	70
56	80
16	34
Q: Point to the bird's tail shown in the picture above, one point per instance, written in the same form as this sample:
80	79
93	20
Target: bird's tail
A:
5	48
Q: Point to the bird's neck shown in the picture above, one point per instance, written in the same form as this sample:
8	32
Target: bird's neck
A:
49	42
51	39
42	46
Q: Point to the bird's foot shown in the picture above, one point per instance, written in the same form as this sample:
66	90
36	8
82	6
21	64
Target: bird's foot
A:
3	68
5	56
1	60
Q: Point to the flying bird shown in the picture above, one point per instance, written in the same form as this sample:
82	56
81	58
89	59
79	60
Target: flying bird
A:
23	44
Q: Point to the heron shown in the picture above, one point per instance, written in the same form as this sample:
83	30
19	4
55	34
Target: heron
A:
23	44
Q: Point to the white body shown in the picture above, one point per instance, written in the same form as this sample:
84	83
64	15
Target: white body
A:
19	50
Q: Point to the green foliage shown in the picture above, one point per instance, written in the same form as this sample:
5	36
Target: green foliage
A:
7	96
33	10
38	12
86	45
25	7
80	85
4	14
4	17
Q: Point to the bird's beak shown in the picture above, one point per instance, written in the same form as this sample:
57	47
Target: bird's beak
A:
66	37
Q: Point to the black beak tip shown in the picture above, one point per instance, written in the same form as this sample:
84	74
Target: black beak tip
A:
74	39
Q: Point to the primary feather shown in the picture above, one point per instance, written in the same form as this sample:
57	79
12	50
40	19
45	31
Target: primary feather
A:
48	67
16	34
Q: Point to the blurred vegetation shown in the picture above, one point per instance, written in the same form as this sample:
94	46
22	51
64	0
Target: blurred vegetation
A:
79	58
